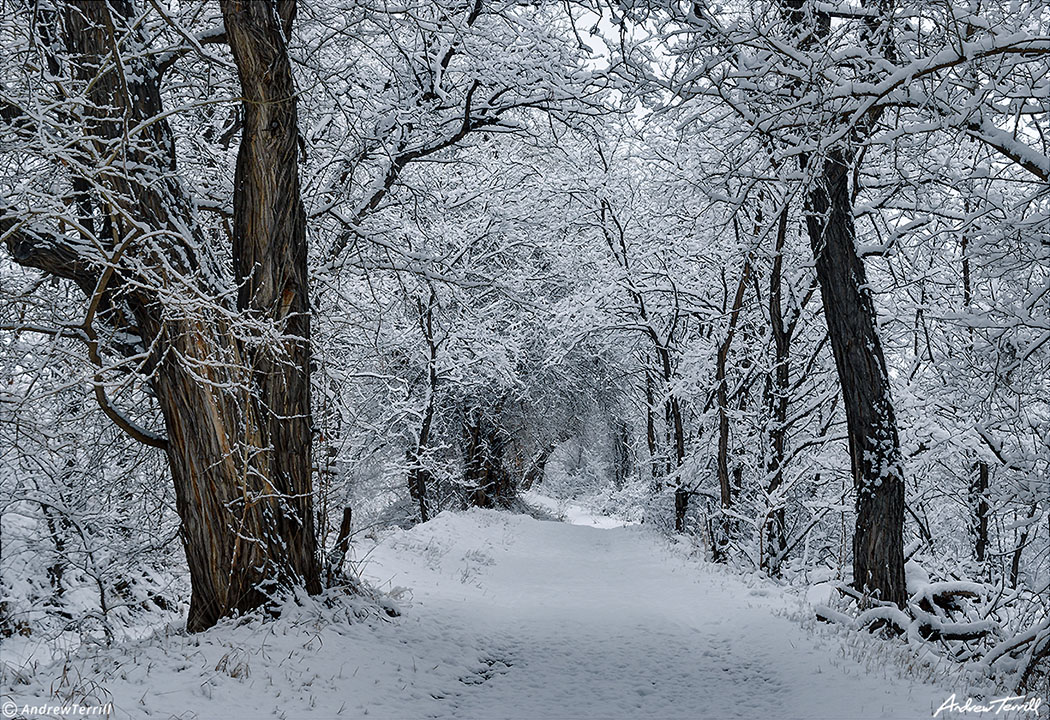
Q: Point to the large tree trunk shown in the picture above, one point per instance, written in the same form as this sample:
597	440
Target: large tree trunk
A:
878	540
237	416
270	267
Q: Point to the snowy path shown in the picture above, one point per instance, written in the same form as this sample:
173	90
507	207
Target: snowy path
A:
504	616
600	623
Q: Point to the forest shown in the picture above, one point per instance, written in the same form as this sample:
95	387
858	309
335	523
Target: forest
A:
309	308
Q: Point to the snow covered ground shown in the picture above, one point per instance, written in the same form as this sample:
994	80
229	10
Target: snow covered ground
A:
505	616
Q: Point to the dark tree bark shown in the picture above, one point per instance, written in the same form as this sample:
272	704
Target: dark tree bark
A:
621	442
874	446
681	492
534	473
419	478
979	481
721	389
1022	542
727	488
342	545
778	398
237	416
775	531
675	430
489	483
650	426
878	479
979	500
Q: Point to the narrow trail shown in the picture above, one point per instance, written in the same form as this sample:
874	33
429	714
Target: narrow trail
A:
576	621
504	616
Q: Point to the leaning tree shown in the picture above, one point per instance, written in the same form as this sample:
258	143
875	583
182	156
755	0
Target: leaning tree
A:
821	92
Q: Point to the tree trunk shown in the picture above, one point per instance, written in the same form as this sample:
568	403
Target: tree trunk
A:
490	484
621	442
418	476
726	487
675	430
775	531
418	480
878	541
722	390
1022	542
237	416
270	267
650	428
681	492
979	500
979	482
534	473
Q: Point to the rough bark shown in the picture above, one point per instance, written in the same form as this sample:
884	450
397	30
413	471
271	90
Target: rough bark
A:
878	540
236	416
874	446
270	267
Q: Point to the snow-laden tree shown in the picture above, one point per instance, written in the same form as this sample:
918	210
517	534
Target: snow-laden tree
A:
194	268
822	93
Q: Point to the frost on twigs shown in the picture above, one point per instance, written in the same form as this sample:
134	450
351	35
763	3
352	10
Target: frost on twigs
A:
966	623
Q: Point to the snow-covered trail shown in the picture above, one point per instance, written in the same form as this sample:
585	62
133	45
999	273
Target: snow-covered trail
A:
504	616
575	621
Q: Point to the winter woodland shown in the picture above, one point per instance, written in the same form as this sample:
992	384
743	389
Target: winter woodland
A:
316	317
